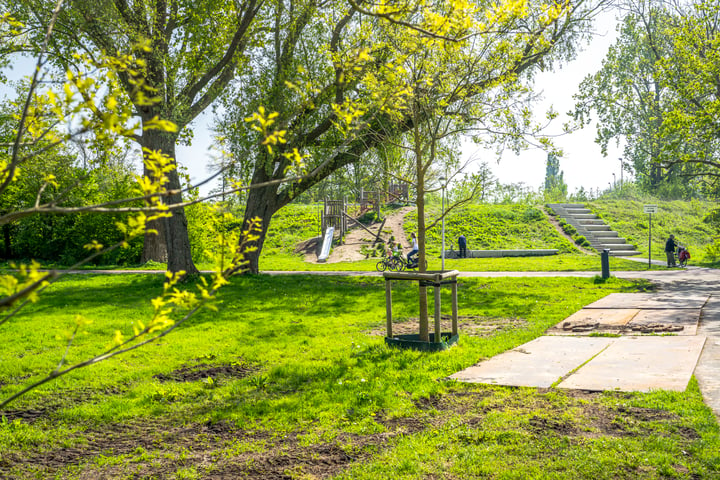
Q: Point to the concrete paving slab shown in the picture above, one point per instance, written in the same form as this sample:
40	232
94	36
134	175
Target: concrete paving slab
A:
707	371
587	321
676	321
650	301
538	363
640	364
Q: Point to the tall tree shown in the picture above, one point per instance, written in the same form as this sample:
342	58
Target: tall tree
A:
188	52
555	186
657	91
329	79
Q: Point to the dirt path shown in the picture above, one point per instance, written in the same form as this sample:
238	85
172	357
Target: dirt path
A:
357	237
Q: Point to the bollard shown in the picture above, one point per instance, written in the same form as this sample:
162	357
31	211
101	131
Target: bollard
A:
605	263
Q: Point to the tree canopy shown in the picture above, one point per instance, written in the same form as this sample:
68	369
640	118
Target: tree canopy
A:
658	91
334	88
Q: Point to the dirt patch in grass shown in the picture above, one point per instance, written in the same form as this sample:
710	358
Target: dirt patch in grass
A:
474	325
193	373
159	448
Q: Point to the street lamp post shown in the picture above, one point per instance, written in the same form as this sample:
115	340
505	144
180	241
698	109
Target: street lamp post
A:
442	218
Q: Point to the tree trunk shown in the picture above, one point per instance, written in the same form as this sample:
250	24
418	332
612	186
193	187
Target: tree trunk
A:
7	241
420	203
261	203
172	243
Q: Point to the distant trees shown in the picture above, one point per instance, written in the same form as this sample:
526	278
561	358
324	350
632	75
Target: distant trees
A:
555	188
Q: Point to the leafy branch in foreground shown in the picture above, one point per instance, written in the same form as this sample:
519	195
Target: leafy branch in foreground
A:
56	113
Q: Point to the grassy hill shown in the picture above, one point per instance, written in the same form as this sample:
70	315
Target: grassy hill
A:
486	227
494	227
516	226
684	219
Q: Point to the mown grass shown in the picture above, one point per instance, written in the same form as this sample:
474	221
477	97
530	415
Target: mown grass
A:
317	380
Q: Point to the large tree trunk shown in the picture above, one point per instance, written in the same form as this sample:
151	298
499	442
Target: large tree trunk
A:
261	203
172	243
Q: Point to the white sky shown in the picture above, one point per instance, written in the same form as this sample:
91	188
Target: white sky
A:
583	163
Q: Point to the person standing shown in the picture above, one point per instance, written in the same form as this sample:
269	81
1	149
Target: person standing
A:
414	250
670	247
462	243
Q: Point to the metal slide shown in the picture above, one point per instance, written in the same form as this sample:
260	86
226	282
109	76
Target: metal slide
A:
327	243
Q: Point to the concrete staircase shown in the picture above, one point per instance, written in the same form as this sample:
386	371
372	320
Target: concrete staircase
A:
588	224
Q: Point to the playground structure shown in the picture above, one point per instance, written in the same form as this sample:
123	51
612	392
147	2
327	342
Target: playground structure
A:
335	217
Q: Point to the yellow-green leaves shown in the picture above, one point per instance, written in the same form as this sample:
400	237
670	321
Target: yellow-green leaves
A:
262	122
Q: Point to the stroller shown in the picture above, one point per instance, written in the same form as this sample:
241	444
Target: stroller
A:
683	256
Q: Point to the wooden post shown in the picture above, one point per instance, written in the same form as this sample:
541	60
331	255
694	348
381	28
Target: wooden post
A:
454	309
436	290
388	306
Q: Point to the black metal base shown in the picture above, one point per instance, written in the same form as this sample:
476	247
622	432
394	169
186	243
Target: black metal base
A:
413	342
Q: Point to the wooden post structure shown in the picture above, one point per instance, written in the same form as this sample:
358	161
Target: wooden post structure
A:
454	309
435	279
388	306
436	290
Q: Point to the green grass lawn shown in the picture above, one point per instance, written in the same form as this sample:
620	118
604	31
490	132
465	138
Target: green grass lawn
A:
291	379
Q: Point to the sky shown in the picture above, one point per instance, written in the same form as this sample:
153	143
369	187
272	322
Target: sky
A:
583	164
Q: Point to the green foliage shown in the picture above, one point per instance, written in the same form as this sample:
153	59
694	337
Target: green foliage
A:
555	187
658	91
61	239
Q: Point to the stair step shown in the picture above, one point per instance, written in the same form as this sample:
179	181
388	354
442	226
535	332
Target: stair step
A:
603	235
611	240
624	247
628	253
599	228
591	221
582	216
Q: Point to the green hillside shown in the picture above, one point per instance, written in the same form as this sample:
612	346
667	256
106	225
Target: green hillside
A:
494	227
684	219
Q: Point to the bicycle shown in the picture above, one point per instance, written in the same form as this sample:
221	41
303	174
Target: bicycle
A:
411	265
392	263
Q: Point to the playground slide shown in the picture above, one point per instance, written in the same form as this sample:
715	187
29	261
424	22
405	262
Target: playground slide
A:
327	243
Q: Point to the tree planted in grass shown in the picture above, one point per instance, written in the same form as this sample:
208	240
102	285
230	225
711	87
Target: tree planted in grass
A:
331	83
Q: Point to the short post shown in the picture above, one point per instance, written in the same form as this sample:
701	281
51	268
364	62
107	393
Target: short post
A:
388	306
436	289
454	309
605	263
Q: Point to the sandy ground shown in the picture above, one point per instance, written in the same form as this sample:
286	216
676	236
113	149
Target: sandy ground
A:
357	237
